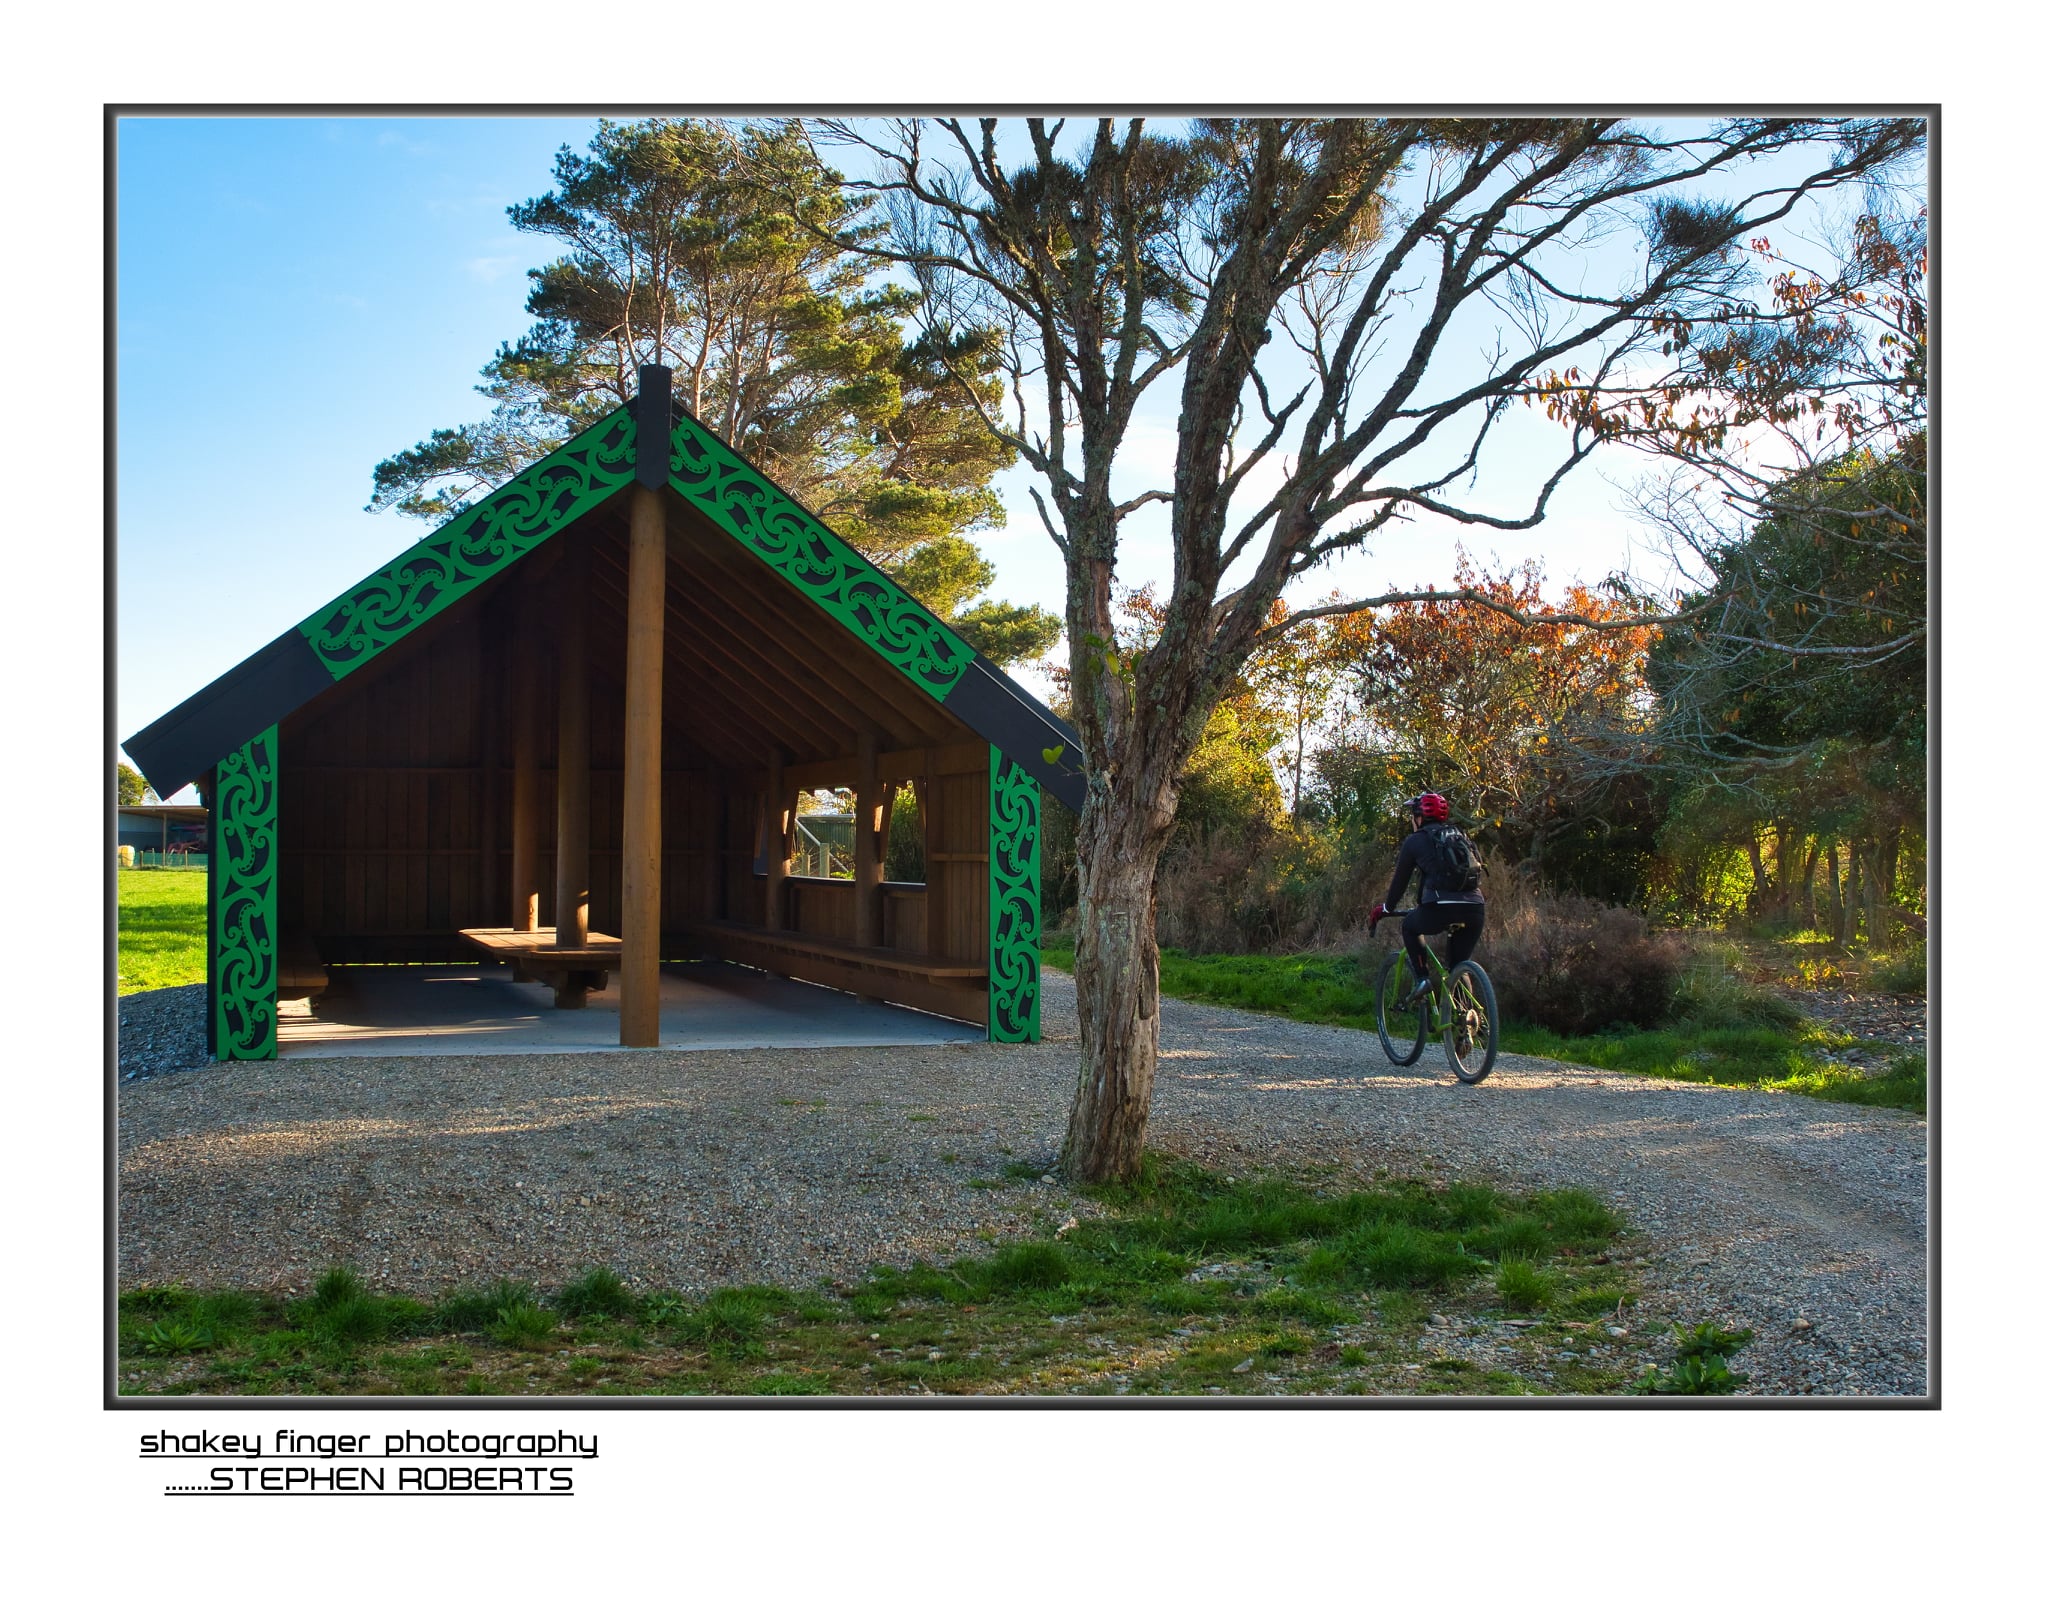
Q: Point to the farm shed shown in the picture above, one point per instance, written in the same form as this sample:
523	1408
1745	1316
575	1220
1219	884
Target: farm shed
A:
160	827
568	731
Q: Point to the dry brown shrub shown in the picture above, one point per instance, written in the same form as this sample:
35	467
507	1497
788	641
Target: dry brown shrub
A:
1578	966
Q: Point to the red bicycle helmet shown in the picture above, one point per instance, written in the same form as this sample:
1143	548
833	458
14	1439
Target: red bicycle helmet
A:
1430	805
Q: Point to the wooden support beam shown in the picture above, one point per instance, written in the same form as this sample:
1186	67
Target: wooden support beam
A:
716	836
937	876
748	717
489	700
780	821
896	766
525	768
571	760
867	851
711	575
645	642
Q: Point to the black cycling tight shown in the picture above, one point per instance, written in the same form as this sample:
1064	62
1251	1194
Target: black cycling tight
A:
1431	918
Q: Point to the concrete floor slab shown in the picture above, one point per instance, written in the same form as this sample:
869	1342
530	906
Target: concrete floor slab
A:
467	1009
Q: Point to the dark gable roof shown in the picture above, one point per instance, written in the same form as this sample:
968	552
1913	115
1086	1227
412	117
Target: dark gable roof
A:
540	501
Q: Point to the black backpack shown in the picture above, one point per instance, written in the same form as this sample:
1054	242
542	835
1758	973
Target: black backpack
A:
1455	859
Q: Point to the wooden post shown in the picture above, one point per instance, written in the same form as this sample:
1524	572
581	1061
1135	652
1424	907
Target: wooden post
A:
936	872
716	835
779	831
571	761
489	702
645	641
866	847
525	773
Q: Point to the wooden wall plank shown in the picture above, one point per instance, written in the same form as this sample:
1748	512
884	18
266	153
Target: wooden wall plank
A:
396	816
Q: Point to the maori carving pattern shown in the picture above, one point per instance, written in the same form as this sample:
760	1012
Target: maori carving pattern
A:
467	550
1014	825
244	877
750	508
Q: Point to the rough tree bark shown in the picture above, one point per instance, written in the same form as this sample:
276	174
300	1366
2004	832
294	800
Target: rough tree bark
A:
1881	885
1839	900
1115	961
1788	844
1758	900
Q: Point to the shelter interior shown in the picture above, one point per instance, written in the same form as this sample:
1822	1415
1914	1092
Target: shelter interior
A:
472	779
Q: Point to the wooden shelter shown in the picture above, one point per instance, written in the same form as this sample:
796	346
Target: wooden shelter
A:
568	731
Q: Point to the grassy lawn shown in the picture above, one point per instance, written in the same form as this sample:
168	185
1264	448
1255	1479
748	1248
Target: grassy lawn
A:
1194	1282
162	928
1739	1056
1332	990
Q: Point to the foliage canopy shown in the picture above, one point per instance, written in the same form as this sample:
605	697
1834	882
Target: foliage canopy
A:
782	344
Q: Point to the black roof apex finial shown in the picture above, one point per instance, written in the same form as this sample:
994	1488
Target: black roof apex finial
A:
651	417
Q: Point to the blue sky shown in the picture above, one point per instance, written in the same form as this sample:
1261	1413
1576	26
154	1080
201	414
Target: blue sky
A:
299	298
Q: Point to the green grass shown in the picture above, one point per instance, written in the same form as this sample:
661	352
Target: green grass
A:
1524	1285
1743	1056
1325	988
1184	1283
162	927
1755	1044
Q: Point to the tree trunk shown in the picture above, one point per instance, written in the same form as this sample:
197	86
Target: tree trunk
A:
1881	885
1788	844
1299	760
1855	861
1115	964
1759	898
1810	888
1839	935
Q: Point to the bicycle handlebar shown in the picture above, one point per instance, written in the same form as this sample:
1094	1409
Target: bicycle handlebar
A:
1388	913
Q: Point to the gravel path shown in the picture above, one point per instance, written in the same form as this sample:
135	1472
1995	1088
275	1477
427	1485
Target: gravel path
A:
1879	1017
162	1032
1803	1220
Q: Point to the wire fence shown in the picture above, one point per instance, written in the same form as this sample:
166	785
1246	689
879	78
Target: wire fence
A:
129	857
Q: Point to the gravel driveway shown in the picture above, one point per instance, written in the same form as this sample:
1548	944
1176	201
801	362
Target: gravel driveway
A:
1803	1220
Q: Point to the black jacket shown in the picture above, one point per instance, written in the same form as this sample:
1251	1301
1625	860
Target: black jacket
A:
1417	850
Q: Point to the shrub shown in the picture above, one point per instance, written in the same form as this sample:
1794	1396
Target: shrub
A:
1901	974
1578	966
1268	888
1709	993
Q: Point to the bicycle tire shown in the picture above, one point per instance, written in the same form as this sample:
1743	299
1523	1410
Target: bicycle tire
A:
1395	981
1472	999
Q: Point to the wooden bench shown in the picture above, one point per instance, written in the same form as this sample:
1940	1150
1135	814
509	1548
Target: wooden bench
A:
940	985
572	972
300	970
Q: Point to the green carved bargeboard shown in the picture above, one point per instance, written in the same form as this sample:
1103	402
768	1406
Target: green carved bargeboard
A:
1014	962
470	548
753	511
244	879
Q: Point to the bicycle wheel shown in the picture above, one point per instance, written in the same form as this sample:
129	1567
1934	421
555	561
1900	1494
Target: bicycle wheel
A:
1402	1031
1471	1041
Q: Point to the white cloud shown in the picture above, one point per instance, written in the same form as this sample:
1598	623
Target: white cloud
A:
405	144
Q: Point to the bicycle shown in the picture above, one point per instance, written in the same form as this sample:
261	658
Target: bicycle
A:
1408	1017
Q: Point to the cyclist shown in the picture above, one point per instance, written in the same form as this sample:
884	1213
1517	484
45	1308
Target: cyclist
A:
1448	895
